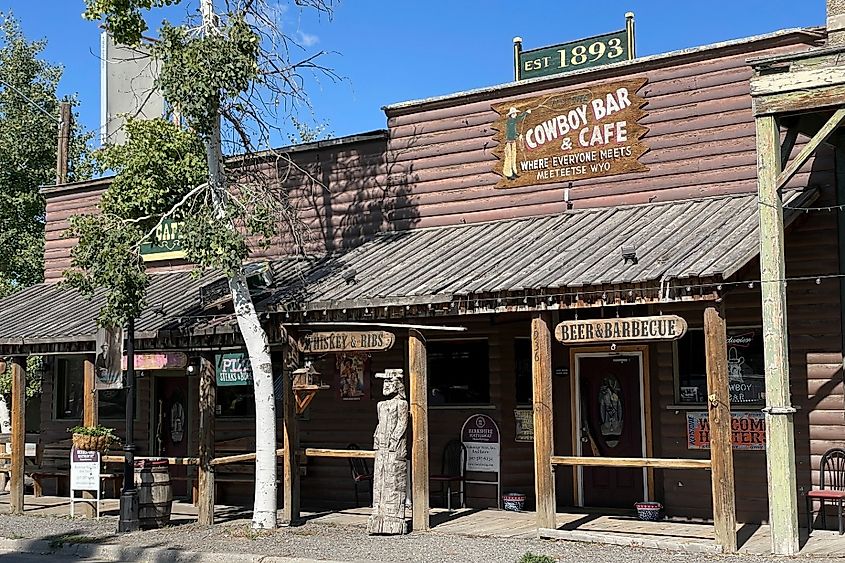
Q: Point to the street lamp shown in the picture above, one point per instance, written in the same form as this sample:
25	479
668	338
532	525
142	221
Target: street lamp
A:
128	521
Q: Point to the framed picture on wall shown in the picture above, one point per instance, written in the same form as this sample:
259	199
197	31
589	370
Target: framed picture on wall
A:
353	376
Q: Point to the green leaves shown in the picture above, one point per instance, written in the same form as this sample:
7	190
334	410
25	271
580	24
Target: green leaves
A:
28	153
123	18
198	71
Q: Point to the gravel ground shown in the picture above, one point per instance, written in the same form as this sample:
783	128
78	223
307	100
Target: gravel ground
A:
327	541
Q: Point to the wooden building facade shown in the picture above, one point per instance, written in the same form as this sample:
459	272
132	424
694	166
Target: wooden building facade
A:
426	224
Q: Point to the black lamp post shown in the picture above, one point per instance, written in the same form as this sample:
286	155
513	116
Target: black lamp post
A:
128	521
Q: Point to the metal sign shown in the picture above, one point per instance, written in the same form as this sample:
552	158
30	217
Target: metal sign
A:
233	368
108	369
167	244
480	435
346	341
748	430
626	329
594	51
84	475
574	135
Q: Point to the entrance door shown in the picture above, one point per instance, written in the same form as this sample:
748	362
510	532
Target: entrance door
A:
610	425
171	434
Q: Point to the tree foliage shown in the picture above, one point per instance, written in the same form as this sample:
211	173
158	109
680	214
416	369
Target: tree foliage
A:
156	168
29	111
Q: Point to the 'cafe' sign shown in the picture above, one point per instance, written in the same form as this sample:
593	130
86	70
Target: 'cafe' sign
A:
661	327
573	135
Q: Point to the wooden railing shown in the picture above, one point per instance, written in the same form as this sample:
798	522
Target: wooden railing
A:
653	462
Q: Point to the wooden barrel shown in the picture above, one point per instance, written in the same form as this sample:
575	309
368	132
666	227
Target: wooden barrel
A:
155	497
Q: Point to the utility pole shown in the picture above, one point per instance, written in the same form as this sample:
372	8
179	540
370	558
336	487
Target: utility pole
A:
63	148
129	496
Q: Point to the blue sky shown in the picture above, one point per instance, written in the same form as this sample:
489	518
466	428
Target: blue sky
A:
392	51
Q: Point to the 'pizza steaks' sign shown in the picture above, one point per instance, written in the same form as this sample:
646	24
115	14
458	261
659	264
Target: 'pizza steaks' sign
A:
574	135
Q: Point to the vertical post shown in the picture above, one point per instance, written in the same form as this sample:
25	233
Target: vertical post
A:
629	32
128	521
418	367
207	402
290	510
89	418
63	147
18	436
517	51
541	377
719	412
780	442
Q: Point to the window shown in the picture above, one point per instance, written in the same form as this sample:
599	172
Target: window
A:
458	372
69	392
236	400
69	388
522	359
745	367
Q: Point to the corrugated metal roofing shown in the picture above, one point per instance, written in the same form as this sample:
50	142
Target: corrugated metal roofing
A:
702	238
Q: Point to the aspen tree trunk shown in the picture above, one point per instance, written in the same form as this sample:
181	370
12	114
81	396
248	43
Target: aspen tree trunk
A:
255	339
5	416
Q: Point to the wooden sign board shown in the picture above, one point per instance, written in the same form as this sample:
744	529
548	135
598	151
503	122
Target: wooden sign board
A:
625	329
748	430
573	135
165	360
593	51
346	341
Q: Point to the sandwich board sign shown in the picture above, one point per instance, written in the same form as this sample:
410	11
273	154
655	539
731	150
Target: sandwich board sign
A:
481	437
84	475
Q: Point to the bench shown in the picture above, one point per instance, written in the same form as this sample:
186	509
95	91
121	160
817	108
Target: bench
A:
32	455
55	465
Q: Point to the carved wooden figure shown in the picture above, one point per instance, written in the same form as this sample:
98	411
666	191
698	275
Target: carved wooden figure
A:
390	475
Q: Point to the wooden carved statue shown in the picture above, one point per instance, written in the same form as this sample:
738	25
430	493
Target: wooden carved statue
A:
390	475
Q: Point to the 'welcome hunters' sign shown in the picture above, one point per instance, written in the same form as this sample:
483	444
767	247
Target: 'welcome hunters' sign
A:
662	327
346	341
233	368
748	431
574	135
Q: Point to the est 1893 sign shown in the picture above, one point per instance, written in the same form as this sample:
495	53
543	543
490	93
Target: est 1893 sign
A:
574	135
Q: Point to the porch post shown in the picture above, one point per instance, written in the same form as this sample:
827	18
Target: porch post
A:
18	436
205	481
719	412
541	371
290	510
89	418
780	441
418	367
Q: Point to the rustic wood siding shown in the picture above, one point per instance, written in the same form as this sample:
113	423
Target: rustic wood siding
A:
701	140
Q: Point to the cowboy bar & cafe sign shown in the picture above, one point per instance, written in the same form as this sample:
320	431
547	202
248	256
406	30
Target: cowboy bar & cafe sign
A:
660	327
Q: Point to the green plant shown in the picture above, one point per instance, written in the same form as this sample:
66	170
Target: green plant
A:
94	431
529	557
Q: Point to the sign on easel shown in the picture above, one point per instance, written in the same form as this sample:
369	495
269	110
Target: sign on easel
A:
84	475
480	435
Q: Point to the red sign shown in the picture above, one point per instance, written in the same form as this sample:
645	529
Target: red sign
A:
748	431
163	360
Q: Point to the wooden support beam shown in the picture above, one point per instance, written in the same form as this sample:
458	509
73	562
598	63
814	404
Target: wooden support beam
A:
418	367
18	436
788	145
801	158
541	377
290	464
325	452
655	462
719	414
194	461
207	404
89	418
780	445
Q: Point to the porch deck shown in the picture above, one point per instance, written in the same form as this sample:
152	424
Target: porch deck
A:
573	526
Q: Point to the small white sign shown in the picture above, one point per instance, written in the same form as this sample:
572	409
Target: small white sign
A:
84	470
482	457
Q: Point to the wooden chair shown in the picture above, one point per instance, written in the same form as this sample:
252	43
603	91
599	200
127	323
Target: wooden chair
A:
831	487
360	473
453	469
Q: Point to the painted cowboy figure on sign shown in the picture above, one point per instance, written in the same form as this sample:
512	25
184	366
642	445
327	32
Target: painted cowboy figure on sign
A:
512	135
390	474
